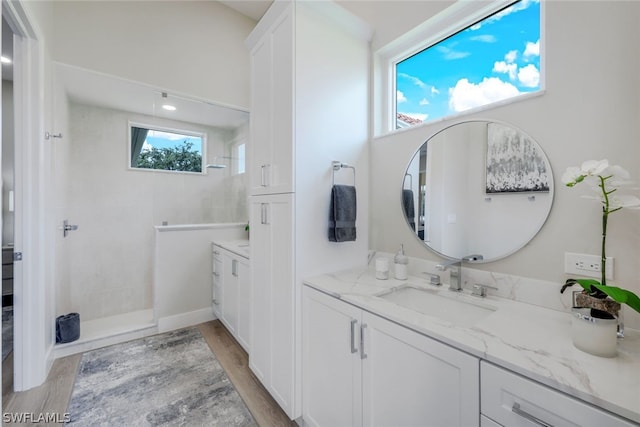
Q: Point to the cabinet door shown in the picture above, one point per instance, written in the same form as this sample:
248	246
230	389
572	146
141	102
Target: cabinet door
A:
230	292
273	296
332	393
271	156
260	119
244	305
216	282
412	380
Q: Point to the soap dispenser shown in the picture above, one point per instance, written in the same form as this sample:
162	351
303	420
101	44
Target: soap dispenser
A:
401	262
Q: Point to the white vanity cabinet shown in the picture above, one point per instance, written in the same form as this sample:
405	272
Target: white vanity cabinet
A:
363	370
509	399
232	293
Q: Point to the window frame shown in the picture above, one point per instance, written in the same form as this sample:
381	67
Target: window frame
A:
186	132
450	21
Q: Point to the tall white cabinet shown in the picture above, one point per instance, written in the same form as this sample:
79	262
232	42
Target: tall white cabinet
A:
309	105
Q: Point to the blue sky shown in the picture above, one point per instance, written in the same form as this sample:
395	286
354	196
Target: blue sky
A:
160	139
495	59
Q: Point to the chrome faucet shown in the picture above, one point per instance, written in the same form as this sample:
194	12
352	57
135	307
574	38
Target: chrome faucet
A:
455	268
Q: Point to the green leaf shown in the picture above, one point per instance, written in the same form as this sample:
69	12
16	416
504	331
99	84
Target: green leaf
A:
620	295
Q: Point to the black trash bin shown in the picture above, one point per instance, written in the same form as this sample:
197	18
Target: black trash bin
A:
67	328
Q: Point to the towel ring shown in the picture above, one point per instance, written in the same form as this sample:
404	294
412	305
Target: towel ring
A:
336	166
410	180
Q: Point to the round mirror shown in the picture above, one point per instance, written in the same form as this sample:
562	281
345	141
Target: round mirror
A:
477	188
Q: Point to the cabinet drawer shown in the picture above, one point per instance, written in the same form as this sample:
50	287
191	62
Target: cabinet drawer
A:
512	400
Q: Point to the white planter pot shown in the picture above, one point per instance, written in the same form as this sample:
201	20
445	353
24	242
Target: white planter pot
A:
593	335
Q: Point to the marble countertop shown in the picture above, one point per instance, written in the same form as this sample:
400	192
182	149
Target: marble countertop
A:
239	247
530	340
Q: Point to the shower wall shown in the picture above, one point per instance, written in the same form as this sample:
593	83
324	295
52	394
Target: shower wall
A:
109	258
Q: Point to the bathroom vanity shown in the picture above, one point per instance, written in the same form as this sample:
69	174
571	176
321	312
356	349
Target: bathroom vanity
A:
231	291
371	357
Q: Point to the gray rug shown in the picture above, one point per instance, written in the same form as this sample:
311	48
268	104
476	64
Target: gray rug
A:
168	379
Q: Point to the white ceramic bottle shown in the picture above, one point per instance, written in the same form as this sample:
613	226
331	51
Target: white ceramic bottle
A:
401	262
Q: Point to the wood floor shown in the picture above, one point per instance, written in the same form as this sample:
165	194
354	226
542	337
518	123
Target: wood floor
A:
54	395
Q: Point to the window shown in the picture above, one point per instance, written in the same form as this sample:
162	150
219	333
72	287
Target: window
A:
493	59
240	156
168	150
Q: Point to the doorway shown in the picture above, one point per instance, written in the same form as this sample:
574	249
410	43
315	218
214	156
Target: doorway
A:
8	206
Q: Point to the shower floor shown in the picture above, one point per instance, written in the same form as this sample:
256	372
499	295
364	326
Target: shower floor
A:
110	330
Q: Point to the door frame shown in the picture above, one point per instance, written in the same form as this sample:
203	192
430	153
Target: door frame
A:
33	296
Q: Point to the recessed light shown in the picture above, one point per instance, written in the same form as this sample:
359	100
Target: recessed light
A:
5	60
169	107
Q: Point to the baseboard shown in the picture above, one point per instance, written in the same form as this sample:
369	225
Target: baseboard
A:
62	350
184	320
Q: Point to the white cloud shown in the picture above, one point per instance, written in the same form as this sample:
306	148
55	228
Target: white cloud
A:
434	91
465	95
529	76
165	135
400	98
416	81
503	67
424	101
450	54
485	38
511	56
146	146
532	49
419	116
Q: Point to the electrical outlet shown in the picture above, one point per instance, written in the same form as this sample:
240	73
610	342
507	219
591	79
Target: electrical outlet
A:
586	265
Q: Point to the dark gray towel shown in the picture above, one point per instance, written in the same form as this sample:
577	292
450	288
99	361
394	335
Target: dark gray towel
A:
342	214
409	209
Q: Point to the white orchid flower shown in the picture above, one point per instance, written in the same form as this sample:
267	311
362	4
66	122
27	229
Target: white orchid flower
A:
572	176
618	201
607	180
594	167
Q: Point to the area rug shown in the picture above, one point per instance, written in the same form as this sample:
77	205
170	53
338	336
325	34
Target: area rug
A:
167	379
7	331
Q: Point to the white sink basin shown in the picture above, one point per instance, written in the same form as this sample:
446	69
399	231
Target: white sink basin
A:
454	308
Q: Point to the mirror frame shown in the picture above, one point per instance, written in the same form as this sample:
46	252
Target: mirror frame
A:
516	248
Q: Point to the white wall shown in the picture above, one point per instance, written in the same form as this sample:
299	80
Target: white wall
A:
589	110
183	271
192	47
110	256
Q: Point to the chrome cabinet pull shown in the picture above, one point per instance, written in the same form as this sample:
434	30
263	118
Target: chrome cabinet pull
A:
516	410
363	355
264	215
353	336
267	177
262	180
234	267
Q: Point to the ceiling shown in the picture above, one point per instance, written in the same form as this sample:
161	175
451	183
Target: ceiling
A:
254	9
97	89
